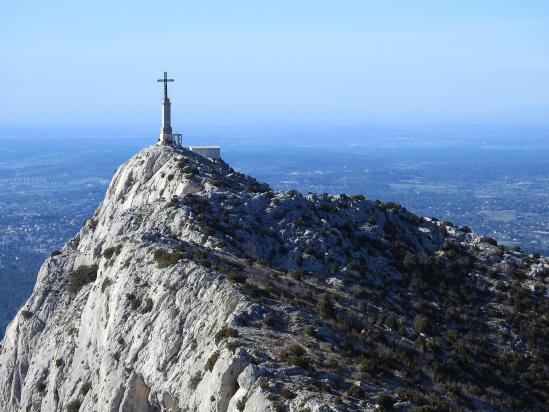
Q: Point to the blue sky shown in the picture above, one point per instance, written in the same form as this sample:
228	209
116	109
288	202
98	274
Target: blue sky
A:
271	62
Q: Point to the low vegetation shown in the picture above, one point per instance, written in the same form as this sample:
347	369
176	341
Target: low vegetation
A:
165	259
81	276
224	333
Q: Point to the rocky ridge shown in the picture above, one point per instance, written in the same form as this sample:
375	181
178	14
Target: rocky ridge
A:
195	287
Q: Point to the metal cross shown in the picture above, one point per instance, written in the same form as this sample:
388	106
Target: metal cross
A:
165	80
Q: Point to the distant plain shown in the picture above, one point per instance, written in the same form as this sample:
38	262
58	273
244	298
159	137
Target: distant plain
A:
497	185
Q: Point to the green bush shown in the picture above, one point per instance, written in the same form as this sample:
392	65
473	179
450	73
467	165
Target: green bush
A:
355	391
85	388
421	324
27	314
489	240
298	260
241	403
165	259
107	253
106	283
296	356
225	332
195	380
211	361
147	305
288	394
133	300
82	275
385	402
410	261
324	307
73	406
263	382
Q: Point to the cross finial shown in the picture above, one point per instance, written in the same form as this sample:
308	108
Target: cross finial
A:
165	80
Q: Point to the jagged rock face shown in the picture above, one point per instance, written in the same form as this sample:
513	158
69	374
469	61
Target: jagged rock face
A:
194	287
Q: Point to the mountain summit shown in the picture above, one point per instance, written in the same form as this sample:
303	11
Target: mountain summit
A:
196	288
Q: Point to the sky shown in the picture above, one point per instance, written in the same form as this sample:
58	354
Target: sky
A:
269	63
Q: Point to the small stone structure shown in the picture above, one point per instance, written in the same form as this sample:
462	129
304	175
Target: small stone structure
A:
209	152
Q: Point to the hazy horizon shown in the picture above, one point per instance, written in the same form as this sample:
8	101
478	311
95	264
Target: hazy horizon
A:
245	65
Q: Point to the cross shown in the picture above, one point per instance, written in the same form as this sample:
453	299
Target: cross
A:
165	80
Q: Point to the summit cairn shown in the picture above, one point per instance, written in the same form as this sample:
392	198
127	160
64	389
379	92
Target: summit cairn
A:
167	138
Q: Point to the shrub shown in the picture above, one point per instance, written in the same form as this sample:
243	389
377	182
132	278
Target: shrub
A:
92	223
465	229
189	170
391	323
133	300
311	331
120	340
164	259
225	332
73	406
410	261
370	365
55	253
147	305
217	182
489	240
106	283
85	388
27	314
40	386
195	380
355	391
296	356
241	403
82	275
107	253
421	324
324	307
298	260
233	345
288	394
211	361
59	362
263	382
385	402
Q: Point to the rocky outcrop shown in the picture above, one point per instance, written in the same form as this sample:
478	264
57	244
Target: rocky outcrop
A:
194	287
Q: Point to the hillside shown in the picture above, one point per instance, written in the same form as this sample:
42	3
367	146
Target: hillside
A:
195	287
